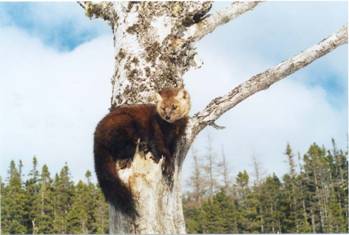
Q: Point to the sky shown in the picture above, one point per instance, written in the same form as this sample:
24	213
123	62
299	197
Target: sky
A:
56	66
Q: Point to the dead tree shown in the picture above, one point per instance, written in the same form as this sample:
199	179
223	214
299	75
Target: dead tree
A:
154	46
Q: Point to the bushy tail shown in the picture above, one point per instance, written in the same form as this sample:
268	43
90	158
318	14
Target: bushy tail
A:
114	190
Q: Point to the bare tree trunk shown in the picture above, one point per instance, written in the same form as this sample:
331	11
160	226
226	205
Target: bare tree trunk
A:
225	172
197	180
209	168
154	47
159	208
257	170
150	54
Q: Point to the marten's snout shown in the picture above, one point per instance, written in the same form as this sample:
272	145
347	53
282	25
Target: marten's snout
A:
167	114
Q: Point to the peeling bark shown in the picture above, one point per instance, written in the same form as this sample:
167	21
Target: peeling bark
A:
154	46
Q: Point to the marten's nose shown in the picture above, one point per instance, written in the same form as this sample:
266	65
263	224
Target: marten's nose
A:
167	117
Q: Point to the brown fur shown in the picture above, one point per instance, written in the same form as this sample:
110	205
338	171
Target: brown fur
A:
158	127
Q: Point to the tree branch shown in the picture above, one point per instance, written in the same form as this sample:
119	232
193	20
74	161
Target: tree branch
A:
264	80
104	10
210	23
81	4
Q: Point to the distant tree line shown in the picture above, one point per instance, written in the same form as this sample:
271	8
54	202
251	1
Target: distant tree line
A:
311	197
42	204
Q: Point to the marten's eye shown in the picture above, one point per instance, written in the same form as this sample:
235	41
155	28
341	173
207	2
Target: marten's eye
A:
174	107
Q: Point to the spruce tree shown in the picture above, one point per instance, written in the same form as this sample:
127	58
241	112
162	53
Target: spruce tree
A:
338	195
294	217
45	216
91	203
242	194
77	217
101	212
316	171
192	219
211	216
63	193
269	204
13	209
32	188
2	187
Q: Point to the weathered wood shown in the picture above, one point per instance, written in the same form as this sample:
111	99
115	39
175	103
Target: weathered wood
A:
209	24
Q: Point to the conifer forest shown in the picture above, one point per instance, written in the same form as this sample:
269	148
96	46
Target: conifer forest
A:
312	197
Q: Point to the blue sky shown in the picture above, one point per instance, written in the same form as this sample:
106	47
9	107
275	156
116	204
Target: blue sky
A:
62	26
55	83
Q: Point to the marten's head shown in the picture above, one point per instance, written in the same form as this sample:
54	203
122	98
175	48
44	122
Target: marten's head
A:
173	104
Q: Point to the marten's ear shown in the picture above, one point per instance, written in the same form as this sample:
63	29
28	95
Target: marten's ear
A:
158	97
182	94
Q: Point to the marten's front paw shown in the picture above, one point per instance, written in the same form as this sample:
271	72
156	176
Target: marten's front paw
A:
143	146
155	159
124	163
167	171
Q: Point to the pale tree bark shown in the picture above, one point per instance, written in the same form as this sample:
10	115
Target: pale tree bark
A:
225	172
210	168
197	180
154	46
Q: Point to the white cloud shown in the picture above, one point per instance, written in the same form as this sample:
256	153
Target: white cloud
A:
52	101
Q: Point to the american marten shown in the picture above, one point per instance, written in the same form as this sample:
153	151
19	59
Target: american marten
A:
157	127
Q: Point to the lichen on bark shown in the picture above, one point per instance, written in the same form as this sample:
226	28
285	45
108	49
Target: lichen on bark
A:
155	30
